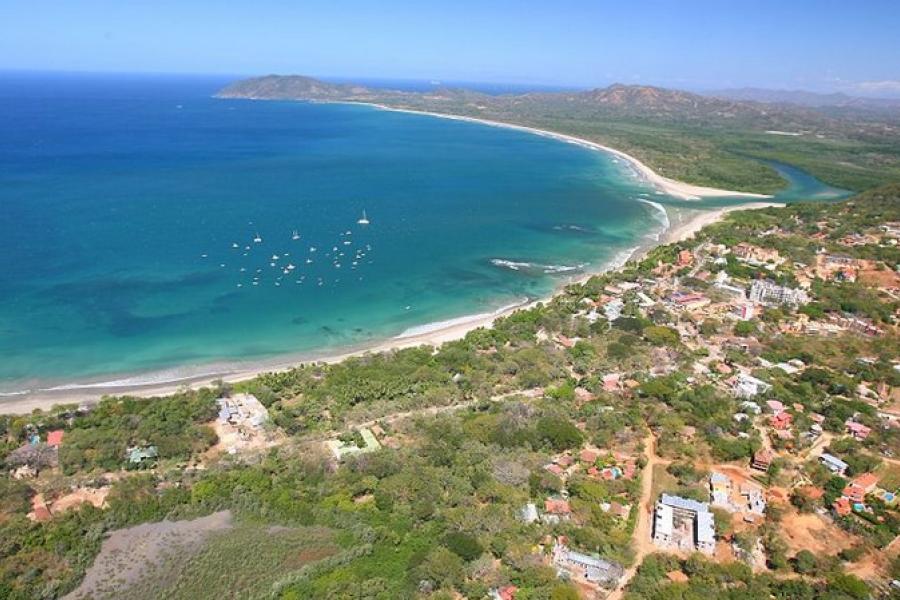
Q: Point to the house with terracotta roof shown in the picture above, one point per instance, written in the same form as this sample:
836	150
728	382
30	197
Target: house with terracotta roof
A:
507	592
858	430
555	469
557	506
54	438
588	456
867	481
842	507
781	421
685	258
564	460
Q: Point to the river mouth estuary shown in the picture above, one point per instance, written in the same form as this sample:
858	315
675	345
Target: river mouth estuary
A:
154	234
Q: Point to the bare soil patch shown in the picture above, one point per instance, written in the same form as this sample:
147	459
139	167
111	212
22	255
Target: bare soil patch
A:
812	532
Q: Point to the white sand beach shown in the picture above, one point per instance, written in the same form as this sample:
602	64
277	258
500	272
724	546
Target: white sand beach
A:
678	189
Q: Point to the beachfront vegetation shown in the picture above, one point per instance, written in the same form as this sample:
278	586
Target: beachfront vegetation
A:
474	431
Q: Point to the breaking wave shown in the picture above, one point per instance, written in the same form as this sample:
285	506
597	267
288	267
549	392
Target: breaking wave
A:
659	215
535	267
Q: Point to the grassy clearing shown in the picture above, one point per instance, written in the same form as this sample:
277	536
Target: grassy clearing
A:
243	562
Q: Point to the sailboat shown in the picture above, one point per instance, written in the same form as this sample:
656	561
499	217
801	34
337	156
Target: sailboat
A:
257	239
364	220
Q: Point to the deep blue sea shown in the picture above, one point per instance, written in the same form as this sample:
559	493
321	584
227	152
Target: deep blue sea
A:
130	206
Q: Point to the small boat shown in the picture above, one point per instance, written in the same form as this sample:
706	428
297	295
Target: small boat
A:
295	235
312	248
363	220
275	257
257	239
234	245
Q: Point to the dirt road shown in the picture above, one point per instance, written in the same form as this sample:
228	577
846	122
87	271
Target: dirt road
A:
641	540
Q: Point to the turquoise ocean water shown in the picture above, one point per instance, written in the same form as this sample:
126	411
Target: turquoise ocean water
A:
129	208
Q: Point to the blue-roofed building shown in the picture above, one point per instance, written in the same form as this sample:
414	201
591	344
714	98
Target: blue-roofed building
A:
834	464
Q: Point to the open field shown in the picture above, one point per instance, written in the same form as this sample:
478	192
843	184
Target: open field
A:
208	557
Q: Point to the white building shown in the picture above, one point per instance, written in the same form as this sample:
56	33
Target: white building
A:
242	410
766	292
747	386
585	567
683	524
613	309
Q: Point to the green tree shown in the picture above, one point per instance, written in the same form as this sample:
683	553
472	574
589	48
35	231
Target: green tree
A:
463	545
559	433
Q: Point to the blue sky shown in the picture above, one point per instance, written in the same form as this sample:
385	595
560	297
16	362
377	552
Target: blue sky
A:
822	45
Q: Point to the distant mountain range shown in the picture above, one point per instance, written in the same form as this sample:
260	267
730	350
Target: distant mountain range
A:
623	100
707	139
804	98
748	109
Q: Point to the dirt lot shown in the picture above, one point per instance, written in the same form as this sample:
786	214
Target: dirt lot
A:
97	497
812	532
876	278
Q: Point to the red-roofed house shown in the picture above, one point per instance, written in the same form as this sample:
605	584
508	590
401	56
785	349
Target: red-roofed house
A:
781	420
555	469
857	430
866	481
505	593
555	506
685	258
589	456
54	438
842	507
564	460
854	492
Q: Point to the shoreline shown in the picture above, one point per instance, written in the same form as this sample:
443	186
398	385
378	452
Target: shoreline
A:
433	334
168	381
672	187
